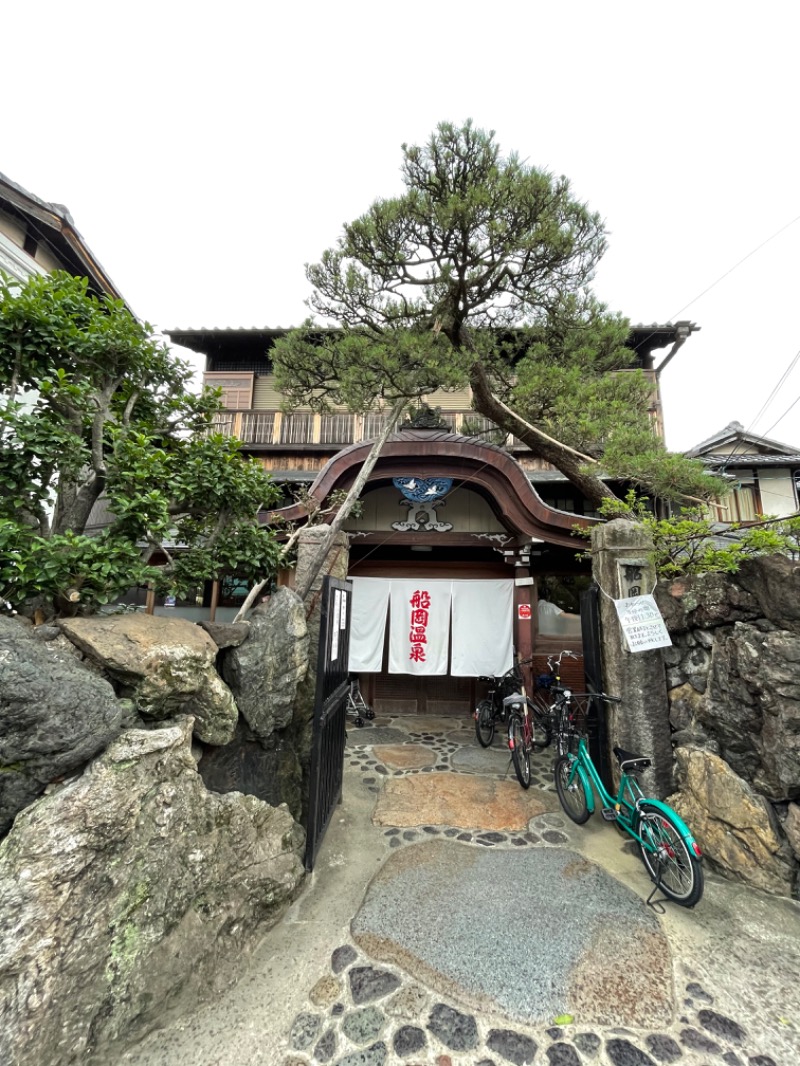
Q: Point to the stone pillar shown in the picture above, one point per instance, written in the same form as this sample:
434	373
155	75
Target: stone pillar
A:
622	566
336	564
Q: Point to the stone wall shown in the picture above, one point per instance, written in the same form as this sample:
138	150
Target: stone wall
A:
733	678
126	885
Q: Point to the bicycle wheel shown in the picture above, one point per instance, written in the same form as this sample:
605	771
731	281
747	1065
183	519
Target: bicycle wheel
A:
671	865
484	723
520	752
571	794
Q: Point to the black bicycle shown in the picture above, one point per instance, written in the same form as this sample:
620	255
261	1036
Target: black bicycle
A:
533	722
492	709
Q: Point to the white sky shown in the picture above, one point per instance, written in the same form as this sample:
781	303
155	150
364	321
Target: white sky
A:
208	151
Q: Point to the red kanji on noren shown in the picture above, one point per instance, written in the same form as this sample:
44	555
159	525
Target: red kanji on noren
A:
419	618
417	635
420	599
417	653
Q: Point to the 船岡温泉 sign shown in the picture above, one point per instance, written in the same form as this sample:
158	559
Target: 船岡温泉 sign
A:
642	623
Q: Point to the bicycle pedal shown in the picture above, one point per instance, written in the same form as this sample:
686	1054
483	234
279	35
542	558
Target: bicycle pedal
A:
609	814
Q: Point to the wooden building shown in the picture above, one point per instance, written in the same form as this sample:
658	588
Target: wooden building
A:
445	501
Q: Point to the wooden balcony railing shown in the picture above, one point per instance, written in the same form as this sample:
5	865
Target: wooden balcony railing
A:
337	430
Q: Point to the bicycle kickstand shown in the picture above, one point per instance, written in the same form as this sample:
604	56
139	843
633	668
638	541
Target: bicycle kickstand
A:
657	904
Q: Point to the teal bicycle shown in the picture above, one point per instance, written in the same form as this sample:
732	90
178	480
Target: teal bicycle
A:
667	848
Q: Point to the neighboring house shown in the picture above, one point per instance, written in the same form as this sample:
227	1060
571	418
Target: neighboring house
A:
764	474
443	502
37	237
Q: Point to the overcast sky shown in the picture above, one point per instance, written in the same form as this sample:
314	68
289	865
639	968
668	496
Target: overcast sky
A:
208	151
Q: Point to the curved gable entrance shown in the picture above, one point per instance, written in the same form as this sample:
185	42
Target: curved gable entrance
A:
439	506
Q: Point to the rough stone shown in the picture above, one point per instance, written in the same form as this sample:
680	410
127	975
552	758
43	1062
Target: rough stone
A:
587	1043
326	1047
305	1030
511	1046
562	971
697	1041
325	992
342	957
774	582
753	708
411	1002
624	1053
791	828
166	665
703	602
54	716
684	704
227	634
562	1055
408	1040
269	769
363	1026
462	800
734	826
368	983
663	1047
130	889
264	671
405	756
722	1026
371	1056
457	1031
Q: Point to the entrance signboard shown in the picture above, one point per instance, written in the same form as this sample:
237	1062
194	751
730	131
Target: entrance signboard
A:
642	623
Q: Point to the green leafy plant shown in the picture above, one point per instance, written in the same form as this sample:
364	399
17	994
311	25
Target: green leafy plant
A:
691	543
108	461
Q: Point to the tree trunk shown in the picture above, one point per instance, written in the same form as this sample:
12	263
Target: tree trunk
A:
351	498
557	455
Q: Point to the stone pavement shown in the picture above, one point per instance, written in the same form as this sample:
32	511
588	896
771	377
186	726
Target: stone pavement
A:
454	919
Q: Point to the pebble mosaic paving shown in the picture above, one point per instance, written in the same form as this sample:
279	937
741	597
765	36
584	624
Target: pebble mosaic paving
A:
369	1012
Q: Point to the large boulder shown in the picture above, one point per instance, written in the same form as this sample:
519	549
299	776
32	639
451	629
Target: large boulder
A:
166	665
704	601
752	707
54	716
268	768
774	581
263	672
735	827
127	890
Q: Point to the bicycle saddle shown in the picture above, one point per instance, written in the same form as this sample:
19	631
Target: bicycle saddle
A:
628	760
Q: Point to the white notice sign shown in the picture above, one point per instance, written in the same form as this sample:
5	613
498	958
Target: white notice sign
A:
642	623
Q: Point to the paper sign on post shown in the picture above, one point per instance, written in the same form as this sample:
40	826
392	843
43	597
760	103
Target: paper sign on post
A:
642	623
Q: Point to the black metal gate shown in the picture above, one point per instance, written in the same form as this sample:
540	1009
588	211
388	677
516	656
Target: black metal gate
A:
593	668
330	709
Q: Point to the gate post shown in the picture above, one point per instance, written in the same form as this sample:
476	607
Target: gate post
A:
336	565
622	566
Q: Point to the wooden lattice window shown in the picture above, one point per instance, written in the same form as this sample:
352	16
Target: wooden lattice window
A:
337	429
297	428
237	388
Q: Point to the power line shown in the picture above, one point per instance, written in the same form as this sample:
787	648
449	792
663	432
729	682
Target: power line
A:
785	413
735	266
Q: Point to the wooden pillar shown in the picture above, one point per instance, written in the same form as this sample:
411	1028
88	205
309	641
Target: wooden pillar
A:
523	619
150	602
